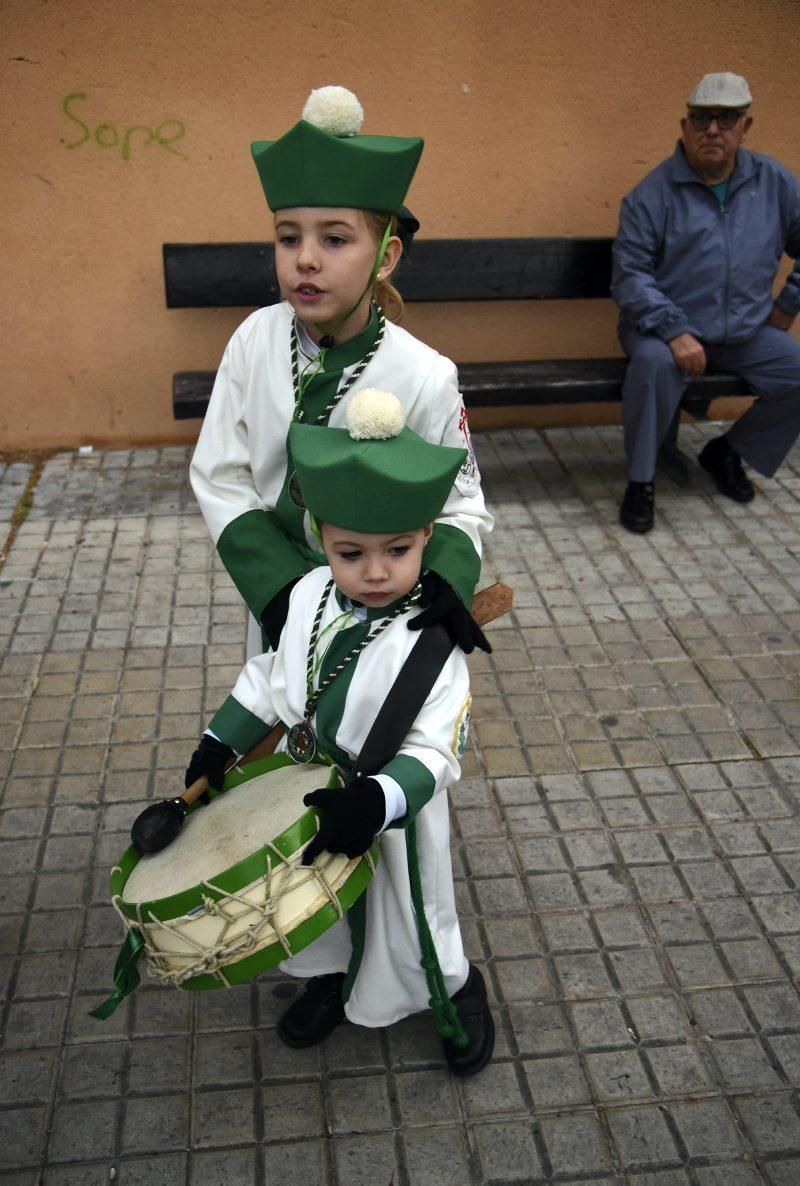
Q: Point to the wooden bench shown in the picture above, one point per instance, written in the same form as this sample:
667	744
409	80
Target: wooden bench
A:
242	274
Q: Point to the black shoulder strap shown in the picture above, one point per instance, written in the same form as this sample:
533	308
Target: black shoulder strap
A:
406	697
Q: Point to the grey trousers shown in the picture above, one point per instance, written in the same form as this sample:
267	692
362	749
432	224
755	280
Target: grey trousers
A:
769	362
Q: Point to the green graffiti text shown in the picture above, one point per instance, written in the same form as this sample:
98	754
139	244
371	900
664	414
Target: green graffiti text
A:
124	139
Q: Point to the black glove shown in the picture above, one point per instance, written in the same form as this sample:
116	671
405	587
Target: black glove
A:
441	603
349	818
209	759
273	615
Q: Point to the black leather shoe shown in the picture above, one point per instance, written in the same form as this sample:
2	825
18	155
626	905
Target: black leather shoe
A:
637	510
315	1014
472	1008
725	466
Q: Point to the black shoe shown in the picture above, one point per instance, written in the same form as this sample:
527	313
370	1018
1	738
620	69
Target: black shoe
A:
637	510
724	464
473	1011
315	1014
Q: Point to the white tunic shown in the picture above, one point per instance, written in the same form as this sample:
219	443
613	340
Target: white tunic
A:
239	464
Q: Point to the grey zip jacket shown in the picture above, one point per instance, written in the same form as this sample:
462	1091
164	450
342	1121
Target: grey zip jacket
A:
682	264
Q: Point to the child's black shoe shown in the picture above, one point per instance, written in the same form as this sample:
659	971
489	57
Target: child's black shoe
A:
473	1011
315	1014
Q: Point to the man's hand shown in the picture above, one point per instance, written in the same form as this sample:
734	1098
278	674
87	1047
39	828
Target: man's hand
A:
689	355
780	318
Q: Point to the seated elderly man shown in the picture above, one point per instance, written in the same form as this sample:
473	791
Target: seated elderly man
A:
700	241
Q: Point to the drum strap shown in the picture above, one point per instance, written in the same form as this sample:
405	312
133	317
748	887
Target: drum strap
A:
404	701
390	728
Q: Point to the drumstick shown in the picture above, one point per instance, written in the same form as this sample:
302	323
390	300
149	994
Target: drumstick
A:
492	603
159	824
264	748
162	821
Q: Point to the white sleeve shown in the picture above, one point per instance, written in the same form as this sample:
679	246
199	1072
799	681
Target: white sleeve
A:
253	688
220	471
465	507
396	804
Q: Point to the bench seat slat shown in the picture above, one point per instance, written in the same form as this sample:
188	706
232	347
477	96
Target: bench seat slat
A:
507	384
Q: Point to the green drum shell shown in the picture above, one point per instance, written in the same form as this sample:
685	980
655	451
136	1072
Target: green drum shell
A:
240	875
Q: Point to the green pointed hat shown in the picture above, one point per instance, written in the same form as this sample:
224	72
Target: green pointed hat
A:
376	475
323	161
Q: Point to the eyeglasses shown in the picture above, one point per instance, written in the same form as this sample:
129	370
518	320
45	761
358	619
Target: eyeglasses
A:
701	120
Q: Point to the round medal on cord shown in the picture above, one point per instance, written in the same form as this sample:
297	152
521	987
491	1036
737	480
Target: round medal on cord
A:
301	742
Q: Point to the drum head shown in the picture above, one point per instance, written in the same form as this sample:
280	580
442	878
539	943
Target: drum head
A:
230	828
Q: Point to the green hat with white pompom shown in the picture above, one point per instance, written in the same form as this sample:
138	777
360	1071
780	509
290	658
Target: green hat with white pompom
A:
376	475
324	161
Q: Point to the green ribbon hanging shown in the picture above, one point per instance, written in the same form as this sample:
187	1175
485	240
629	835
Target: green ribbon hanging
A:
446	1021
126	974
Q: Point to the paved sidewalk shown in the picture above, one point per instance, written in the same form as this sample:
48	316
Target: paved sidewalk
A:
626	843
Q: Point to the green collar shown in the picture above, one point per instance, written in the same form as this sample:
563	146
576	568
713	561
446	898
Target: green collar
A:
354	349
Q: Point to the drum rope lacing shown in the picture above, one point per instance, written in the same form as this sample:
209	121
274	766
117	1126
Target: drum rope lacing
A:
211	960
300	383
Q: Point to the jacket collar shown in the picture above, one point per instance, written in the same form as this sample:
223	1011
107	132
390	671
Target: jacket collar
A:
682	172
363	613
351	351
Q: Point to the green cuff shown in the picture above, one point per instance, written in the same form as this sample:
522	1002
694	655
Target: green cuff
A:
260	558
451	553
416	782
238	727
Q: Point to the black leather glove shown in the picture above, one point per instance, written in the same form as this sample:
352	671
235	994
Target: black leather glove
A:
209	759
441	603
349	818
273	615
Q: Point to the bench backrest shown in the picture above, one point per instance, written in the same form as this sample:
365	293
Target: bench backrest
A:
199	275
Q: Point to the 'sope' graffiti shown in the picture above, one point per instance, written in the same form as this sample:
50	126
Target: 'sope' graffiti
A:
106	135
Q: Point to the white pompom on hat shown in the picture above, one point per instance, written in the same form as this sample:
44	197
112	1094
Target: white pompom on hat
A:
334	110
374	415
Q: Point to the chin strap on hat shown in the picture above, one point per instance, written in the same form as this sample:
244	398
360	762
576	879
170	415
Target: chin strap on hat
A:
328	339
315	531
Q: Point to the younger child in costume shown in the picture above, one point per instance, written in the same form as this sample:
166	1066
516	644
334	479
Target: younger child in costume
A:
336	195
373	491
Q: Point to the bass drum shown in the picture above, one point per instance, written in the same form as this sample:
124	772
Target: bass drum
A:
229	898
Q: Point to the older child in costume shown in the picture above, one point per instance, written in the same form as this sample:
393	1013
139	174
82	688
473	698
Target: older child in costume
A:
303	360
373	502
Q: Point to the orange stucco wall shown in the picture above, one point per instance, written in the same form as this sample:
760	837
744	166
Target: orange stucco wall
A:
538	115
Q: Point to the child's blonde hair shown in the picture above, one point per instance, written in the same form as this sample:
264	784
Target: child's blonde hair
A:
386	294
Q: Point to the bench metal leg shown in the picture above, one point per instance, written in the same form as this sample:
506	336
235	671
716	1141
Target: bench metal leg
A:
673	461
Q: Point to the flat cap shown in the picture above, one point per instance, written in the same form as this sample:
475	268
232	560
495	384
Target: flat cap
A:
721	90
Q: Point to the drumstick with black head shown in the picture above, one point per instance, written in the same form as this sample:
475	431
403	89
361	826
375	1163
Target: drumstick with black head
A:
159	824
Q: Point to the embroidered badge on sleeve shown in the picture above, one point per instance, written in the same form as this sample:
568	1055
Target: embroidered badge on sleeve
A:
461	729
468	478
